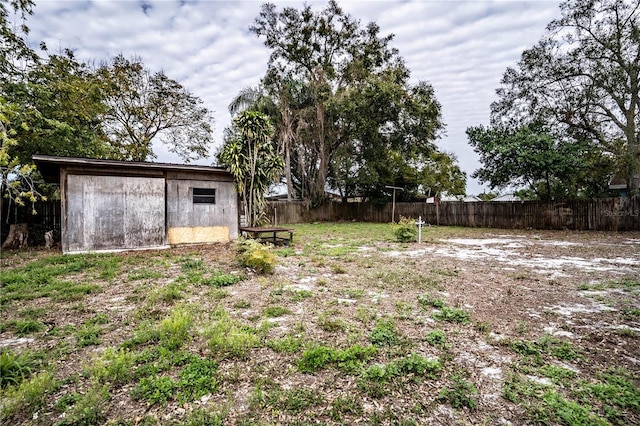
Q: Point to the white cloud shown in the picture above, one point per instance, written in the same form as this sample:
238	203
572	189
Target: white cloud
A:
461	47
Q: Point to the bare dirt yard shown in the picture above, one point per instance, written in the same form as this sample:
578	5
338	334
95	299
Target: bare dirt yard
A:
473	326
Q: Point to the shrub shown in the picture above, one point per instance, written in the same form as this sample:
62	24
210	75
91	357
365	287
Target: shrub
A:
405	230
256	256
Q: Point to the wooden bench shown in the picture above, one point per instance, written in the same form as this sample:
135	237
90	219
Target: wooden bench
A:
268	234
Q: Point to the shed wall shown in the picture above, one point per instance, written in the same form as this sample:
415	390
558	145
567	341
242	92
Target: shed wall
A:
189	222
113	213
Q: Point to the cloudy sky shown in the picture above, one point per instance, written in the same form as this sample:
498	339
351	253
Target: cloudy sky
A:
461	47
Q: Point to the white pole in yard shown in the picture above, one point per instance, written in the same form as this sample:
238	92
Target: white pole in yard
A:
393	205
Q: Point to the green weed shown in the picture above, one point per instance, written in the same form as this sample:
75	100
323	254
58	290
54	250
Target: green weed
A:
256	256
349	360
405	231
449	314
300	295
230	338
173	331
220	279
242	304
384	334
88	335
16	367
197	378
288	344
28	396
428	302
330	323
460	393
436	338
25	327
346	405
113	366
155	389
353	293
275	311
88	409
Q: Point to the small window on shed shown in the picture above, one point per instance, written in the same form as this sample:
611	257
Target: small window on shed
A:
204	196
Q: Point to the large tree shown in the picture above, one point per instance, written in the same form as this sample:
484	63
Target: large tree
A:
583	80
145	106
344	101
531	156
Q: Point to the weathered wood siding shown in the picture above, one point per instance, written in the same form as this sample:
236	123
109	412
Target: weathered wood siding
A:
112	213
608	214
201	223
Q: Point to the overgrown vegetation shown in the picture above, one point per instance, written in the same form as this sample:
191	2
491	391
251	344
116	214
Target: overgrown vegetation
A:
178	334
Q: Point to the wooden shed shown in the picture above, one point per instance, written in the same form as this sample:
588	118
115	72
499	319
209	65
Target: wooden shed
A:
121	205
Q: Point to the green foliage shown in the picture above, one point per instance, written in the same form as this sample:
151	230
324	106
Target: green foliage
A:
419	366
288	344
220	279
292	401
579	81
88	335
335	87
436	338
460	393
384	333
374	380
174	330
450	314
198	378
544	405
275	311
28	396
24	327
88	409
527	155
330	323
346	405
546	345
256	256
41	278
230	338
202	417
427	301
250	155
157	389
113	366
349	360
405	230
315	358
14	368
143	107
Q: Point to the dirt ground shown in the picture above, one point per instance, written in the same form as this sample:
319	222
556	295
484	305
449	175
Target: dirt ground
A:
582	288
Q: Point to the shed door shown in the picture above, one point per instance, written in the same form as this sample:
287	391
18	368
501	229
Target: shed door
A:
114	212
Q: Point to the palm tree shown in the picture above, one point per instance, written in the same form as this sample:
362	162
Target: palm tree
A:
249	154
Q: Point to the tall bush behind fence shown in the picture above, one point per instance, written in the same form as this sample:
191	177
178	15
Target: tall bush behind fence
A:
606	214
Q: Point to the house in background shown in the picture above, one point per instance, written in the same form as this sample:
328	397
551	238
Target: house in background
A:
121	205
507	197
472	199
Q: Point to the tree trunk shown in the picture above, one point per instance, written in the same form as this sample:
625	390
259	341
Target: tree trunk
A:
17	238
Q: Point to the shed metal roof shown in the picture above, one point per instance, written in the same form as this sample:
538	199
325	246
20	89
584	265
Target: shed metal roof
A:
50	166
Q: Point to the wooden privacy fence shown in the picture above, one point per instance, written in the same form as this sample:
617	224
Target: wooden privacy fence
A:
606	214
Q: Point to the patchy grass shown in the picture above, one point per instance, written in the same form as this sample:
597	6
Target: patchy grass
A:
352	327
